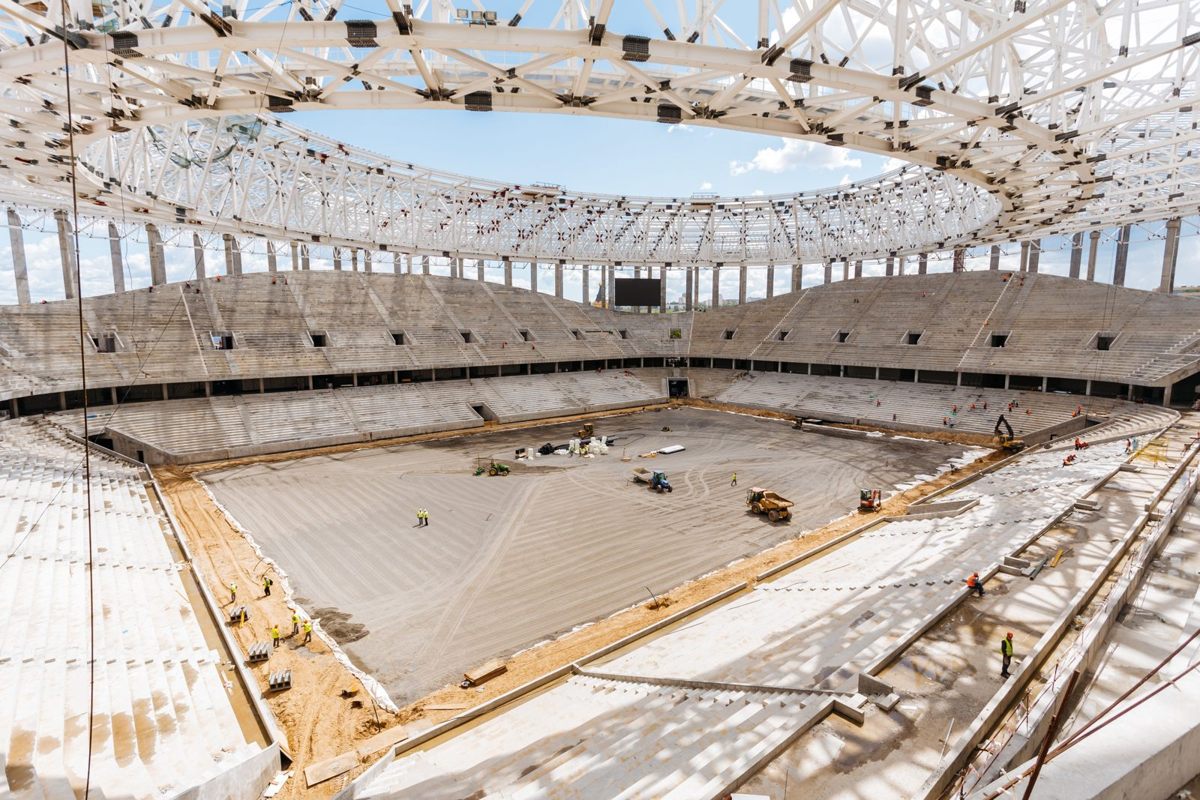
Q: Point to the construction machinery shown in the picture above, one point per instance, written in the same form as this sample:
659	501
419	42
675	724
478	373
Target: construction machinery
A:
655	480
491	467
586	432
1006	438
764	501
870	500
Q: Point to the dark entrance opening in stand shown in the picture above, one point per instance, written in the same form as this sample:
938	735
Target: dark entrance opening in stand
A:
677	387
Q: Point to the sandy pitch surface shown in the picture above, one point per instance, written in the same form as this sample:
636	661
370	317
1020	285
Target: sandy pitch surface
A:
508	562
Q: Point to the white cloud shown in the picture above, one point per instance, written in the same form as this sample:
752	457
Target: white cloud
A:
845	181
706	186
795	153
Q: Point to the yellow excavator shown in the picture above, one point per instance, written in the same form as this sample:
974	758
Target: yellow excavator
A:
1005	438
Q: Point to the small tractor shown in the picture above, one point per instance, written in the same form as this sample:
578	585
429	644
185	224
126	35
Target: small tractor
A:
764	501
655	480
1006	438
870	500
492	468
586	432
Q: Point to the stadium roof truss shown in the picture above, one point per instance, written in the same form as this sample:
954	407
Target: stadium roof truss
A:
1017	119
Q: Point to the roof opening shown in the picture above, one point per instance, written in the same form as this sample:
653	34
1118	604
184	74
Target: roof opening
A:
913	337
841	336
999	340
319	338
729	334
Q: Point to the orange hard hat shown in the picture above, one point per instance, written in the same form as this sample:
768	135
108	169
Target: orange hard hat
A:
1009	634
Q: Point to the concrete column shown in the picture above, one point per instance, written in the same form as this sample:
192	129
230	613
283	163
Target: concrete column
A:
408	264
158	263
994	261
858	269
662	287
237	257
1076	254
66	253
1024	257
480	273
507	272
716	287
198	253
367	261
900	263
272	263
1035	254
585	275
354	259
797	277
960	259
845	269
923	264
424	265
695	286
687	289
770	281
16	240
1122	255
337	259
827	277
227	242
558	279
295	248
889	266
1093	249
533	276
304	262
114	252
742	270
604	285
1170	257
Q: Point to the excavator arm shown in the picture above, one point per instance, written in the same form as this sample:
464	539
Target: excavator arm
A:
1008	429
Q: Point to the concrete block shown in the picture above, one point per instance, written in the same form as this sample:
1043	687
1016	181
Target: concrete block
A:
852	710
869	684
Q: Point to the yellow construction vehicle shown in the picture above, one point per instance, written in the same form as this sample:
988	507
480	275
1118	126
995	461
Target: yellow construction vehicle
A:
764	501
1006	438
586	432
869	500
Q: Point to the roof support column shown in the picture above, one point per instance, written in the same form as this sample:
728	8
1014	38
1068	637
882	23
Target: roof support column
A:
994	260
272	263
227	241
237	257
827	277
923	264
1024	257
158	264
1076	253
889	266
900	262
295	248
1170	257
558	279
742	270
480	270
66	252
424	265
1122	255
960	259
507	272
337	259
716	286
16	240
367	261
605	277
533	277
845	269
797	276
304	262
770	281
585	274
662	287
1035	254
354	259
858	269
198	255
1093	248
688	287
116	258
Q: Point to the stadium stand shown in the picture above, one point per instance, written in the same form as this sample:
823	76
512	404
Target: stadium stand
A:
165	721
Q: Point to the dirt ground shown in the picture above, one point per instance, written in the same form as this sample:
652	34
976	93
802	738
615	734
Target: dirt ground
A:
320	724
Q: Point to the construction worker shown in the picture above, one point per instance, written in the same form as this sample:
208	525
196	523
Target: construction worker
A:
295	623
274	636
974	584
232	592
307	631
1006	654
267	584
425	513
733	480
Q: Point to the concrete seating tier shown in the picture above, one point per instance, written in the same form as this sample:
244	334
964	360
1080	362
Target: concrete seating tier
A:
225	427
914	405
163	719
164	335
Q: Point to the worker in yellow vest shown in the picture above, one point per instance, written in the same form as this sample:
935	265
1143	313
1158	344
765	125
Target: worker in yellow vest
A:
1006	654
232	592
275	636
307	631
295	623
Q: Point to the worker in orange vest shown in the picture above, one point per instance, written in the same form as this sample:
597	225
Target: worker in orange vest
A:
974	584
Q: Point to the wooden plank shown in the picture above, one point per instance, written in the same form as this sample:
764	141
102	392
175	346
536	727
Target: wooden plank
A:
380	741
485	672
324	770
448	707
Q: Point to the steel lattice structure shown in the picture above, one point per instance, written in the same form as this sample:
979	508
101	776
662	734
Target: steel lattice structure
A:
1020	119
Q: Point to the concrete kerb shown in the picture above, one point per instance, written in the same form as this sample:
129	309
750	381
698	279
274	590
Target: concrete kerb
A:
995	710
249	685
718	686
816	551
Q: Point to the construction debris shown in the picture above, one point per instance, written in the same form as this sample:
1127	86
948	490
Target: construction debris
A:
483	673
